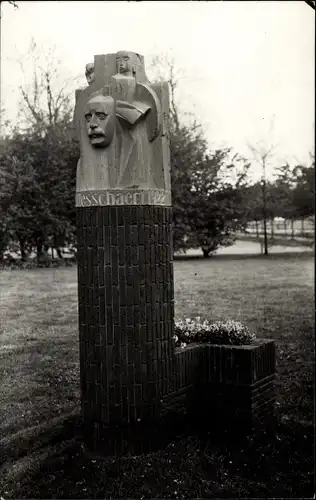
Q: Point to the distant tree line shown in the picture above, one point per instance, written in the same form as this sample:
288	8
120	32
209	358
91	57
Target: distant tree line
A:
290	195
212	195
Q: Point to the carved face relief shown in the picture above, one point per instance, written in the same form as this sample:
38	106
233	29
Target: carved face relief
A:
100	120
90	73
124	64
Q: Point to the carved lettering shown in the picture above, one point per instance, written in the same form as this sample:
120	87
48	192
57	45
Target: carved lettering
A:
87	200
135	202
101	199
95	199
111	199
160	197
119	199
128	199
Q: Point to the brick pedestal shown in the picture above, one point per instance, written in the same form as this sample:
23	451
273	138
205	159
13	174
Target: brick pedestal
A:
231	386
126	312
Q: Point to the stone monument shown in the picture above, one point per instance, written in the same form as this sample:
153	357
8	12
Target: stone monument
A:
125	268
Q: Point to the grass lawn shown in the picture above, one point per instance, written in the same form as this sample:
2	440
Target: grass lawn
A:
41	454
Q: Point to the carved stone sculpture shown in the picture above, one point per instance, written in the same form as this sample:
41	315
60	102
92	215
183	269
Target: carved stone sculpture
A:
121	123
100	120
90	73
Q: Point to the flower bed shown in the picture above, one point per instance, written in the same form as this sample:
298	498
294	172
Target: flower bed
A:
222	372
227	332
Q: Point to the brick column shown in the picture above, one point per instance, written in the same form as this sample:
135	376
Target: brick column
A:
126	312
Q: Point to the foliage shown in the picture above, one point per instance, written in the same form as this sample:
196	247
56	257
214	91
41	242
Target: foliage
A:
47	101
304	191
290	195
37	189
38	169
216	200
293	191
15	264
211	195
205	182
205	204
219	332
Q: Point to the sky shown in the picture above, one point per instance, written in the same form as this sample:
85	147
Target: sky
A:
246	68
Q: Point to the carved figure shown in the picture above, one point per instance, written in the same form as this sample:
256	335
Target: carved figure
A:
90	73
124	63
123	83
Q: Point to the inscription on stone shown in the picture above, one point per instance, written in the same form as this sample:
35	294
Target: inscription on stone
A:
123	197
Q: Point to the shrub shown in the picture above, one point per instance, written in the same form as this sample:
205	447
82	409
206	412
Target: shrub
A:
11	265
220	332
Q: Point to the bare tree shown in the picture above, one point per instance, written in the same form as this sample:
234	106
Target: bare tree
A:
1	110
47	100
262	153
163	68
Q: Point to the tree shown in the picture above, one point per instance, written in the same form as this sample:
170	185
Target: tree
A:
37	185
304	191
46	102
204	202
38	168
217	212
262	153
296	187
186	148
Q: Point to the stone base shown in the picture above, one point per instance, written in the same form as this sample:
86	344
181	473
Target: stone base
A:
134	439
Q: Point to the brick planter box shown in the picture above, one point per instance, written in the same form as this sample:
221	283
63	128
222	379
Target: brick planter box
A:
224	383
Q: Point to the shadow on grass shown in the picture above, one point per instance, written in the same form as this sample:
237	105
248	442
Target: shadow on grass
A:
24	452
199	463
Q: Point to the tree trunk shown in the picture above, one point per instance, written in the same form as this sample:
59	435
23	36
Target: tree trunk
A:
60	255
265	240
39	250
206	253
3	244
23	250
264	211
257	228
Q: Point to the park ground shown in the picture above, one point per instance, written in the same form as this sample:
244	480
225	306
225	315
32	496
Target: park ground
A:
41	454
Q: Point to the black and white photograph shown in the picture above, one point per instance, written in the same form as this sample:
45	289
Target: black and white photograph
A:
157	249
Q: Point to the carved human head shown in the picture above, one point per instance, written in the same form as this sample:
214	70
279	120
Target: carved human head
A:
100	120
124	63
90	73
